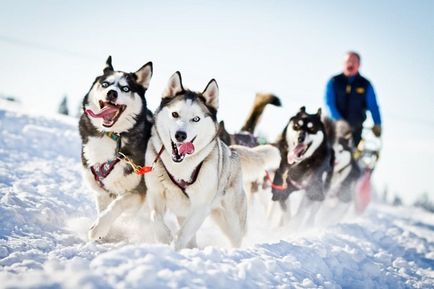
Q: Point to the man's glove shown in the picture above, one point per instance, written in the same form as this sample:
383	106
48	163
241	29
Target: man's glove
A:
377	130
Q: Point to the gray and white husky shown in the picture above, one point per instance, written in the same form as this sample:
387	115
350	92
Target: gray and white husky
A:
115	127
195	174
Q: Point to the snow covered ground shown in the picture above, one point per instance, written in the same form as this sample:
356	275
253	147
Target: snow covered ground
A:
45	211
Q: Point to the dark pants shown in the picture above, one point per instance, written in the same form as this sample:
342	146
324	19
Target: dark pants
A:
357	135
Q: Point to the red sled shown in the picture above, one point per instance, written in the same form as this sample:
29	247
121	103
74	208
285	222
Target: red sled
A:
363	192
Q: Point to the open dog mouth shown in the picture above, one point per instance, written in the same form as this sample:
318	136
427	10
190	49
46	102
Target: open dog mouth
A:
180	150
297	153
110	112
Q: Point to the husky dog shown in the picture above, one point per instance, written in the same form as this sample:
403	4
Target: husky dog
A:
254	180
346	175
346	171
307	160
115	127
196	174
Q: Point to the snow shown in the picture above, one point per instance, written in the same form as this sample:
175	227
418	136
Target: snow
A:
45	211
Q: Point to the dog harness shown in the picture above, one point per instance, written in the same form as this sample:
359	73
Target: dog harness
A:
273	185
183	184
284	186
101	171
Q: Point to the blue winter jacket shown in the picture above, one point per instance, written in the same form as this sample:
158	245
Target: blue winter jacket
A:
348	98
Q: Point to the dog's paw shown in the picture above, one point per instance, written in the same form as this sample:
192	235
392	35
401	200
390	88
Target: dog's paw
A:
98	231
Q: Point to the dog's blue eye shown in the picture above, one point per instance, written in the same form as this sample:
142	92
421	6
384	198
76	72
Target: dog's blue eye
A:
125	88
105	84
196	119
175	114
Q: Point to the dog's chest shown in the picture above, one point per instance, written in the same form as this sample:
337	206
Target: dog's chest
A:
200	193
100	151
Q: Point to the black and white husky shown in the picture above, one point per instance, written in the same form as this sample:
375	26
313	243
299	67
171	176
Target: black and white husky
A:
307	159
195	174
115	127
346	173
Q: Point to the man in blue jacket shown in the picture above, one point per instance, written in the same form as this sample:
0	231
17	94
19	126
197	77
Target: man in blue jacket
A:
349	95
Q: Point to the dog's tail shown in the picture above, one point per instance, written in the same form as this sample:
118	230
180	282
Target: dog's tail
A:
254	161
261	101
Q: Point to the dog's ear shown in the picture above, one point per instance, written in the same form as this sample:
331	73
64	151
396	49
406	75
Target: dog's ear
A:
211	94
319	111
108	65
174	86
301	112
144	75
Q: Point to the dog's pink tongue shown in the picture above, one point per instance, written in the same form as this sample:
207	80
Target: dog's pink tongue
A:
186	148
293	155
108	110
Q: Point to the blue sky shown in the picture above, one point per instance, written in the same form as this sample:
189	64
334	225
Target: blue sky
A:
52	48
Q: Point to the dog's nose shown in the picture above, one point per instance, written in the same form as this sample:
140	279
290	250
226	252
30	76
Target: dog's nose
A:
112	95
301	137
180	135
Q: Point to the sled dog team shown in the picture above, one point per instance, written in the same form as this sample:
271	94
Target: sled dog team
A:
181	159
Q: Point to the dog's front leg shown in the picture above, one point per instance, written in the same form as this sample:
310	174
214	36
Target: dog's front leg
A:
189	228
102	201
106	218
157	206
162	232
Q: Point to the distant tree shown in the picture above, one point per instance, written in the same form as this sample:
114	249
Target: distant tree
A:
9	98
397	201
424	202
63	107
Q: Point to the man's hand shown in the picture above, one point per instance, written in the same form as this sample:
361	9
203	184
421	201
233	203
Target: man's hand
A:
377	130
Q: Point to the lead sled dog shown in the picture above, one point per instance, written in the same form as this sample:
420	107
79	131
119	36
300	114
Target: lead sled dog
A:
115	127
195	174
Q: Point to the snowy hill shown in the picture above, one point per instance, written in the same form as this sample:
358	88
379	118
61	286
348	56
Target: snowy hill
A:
45	211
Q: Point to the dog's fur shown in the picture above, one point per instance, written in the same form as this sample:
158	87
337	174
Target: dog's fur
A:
346	170
254	180
346	173
246	136
307	160
211	170
121	188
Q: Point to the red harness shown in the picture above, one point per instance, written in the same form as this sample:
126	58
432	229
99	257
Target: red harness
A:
285	185
274	186
101	171
183	184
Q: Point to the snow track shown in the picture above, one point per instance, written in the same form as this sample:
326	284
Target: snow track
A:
45	211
